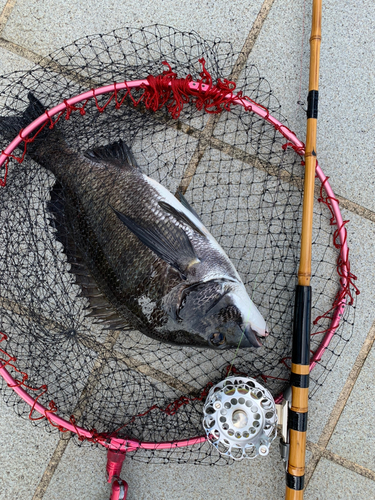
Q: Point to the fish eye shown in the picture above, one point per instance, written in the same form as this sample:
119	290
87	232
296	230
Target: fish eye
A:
217	339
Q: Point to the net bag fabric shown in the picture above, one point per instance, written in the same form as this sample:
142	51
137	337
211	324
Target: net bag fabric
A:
239	175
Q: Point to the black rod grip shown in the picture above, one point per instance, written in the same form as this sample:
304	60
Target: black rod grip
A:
297	421
312	104
302	326
295	482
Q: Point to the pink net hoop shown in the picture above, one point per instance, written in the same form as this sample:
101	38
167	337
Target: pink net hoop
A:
191	89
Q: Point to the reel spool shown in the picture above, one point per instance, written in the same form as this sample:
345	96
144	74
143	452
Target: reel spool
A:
240	418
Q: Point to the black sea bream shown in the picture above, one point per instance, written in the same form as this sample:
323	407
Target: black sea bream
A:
142	257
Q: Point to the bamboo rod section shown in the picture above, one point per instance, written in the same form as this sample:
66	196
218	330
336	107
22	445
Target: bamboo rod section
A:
304	272
302	314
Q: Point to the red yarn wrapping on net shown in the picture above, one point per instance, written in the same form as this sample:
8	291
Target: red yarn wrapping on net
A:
172	92
163	90
343	265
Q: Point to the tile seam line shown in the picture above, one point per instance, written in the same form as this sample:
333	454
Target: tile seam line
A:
212	122
342	461
63	442
51	467
19	50
356	208
237	68
6	13
251	38
348	387
320	450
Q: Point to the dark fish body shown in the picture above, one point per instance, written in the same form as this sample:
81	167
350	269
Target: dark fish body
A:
143	259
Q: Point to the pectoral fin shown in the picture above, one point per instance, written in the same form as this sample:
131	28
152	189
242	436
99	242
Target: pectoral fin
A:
166	240
181	198
180	216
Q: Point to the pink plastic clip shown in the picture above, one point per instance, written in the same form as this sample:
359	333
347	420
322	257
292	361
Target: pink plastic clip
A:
115	459
119	489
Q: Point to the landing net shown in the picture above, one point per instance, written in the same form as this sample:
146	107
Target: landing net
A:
238	172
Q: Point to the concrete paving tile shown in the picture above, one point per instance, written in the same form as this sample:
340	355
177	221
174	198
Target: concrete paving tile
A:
83	469
346	112
277	54
361	234
2	5
332	482
346	93
354	436
24	454
43	26
10	62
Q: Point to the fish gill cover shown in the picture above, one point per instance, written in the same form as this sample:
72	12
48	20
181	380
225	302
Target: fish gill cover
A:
241	182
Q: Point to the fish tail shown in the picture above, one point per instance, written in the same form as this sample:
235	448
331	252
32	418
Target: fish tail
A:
10	126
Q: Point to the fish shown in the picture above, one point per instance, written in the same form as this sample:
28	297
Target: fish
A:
142	256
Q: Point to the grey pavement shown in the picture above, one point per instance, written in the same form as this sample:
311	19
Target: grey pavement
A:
37	465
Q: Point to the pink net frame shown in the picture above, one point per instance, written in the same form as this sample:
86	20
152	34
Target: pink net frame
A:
157	93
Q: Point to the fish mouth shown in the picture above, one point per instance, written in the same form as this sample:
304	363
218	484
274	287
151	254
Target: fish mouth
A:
255	337
249	338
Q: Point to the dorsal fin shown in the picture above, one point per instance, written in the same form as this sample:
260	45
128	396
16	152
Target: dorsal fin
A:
115	151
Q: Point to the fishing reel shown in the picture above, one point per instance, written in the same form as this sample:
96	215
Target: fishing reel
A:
240	418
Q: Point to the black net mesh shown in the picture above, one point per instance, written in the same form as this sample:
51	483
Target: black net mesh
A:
247	190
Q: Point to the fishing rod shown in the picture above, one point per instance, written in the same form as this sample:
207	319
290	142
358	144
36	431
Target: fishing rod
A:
300	369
